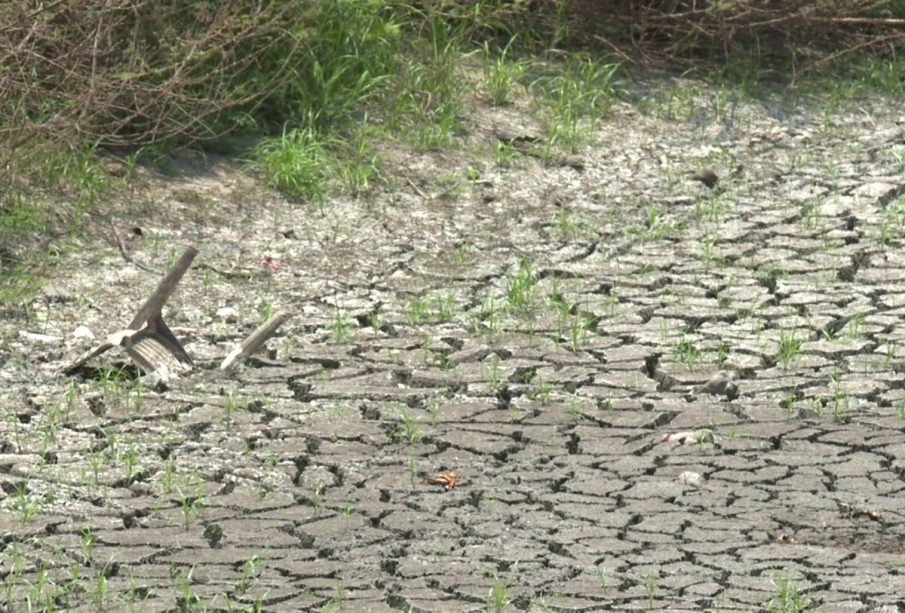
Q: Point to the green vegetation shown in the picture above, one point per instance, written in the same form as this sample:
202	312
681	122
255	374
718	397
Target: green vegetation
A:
788	347
305	90
788	598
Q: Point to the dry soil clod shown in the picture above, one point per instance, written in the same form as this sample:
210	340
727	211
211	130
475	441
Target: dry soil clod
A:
707	177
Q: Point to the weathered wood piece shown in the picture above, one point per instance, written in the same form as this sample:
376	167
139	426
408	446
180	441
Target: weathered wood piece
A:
148	341
254	340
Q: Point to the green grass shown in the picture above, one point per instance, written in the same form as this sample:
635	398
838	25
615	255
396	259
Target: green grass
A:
577	95
501	71
521	287
789	345
295	163
687	353
788	598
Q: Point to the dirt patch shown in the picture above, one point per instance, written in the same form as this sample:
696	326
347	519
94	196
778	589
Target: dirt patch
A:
553	333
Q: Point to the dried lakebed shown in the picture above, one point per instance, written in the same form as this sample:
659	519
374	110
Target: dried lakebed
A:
545	332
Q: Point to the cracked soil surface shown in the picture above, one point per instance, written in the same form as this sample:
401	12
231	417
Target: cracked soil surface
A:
552	333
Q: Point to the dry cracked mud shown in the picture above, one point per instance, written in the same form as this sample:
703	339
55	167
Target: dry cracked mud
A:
654	394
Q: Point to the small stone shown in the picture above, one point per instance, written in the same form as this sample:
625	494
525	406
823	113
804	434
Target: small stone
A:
720	384
159	380
227	315
55	293
689	437
691	478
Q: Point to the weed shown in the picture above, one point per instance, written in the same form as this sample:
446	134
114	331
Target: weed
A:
250	571
687	353
410	429
337	602
501	73
603	575
24	503
707	246
168	476
265	310
71	398
431	89
892	225
504	153
358	163
190	503
578	331
491	373
676	102
789	346
722	352
650	585
788	599
431	308
889	355
521	287
570	225
341	328
434	412
413	470
444	306
788	403
295	163
230	404
182	581
655	226
99	593
88	542
130	458
853	327
577	98
710	207
841	400
541	393
461	253
498	598
488	319
811	215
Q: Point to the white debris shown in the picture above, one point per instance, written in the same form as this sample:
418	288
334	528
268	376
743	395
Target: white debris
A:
227	315
689	437
83	332
692	478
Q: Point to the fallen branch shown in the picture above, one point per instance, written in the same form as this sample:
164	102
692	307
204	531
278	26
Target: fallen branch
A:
254	340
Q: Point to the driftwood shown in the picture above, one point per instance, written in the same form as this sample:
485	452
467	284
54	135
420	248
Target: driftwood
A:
150	343
148	340
254	340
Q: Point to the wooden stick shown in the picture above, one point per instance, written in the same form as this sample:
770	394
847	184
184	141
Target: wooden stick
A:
152	307
255	339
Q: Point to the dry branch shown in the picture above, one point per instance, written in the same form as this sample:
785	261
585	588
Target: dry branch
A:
254	340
